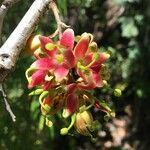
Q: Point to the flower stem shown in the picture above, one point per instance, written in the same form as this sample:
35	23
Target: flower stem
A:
60	24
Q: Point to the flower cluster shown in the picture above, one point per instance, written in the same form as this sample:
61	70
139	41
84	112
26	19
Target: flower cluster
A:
63	75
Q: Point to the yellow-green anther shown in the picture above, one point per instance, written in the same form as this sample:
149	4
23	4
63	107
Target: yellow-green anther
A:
112	114
96	56
59	58
48	122
77	38
36	92
93	47
80	66
105	83
50	46
117	92
107	55
64	131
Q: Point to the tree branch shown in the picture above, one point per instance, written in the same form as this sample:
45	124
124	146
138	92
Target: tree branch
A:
3	10
10	50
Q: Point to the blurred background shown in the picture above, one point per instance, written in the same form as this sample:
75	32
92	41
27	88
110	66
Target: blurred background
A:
121	26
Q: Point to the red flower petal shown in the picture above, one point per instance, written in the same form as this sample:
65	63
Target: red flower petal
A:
101	59
48	85
43	64
88	58
71	88
60	73
37	78
67	39
69	59
97	79
82	47
71	105
90	80
44	40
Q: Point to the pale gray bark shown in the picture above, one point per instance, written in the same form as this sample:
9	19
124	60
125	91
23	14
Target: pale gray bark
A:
10	50
3	10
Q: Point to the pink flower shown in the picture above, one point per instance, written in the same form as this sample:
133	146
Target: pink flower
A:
88	63
57	59
60	54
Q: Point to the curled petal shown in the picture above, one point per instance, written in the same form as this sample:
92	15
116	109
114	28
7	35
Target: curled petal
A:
43	64
37	78
60	73
67	39
91	80
88	58
71	105
71	88
101	59
86	86
82	47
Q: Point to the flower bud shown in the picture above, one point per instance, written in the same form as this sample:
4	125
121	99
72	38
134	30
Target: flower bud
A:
32	44
83	123
117	92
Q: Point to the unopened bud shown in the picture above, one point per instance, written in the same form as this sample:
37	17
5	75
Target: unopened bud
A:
83	123
117	92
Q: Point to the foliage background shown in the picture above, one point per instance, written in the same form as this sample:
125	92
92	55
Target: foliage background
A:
122	26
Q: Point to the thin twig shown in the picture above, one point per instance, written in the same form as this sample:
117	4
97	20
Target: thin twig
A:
60	24
7	104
